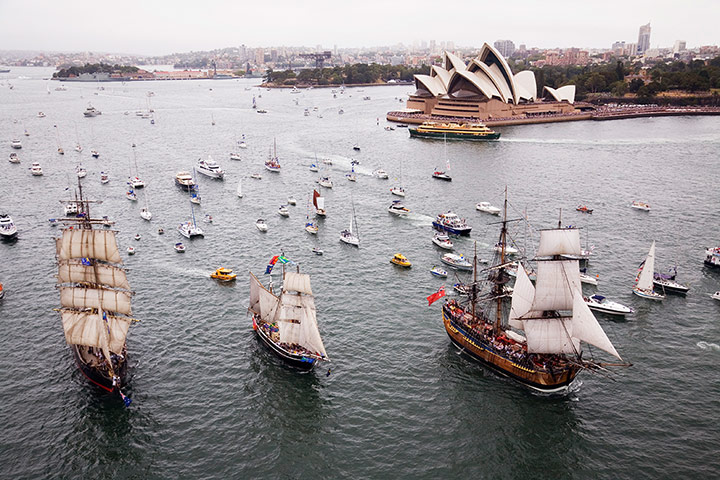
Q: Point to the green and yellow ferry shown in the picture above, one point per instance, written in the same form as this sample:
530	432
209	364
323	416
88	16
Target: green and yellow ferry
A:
454	131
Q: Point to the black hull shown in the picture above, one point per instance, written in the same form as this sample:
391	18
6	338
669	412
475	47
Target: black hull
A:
295	361
711	264
96	377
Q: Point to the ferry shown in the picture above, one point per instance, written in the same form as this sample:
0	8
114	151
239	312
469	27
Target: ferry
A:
454	131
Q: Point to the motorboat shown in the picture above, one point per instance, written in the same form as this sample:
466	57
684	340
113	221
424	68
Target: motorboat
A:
14	158
400	260
131	195
716	295
712	257
509	250
283	211
512	270
53	222
137	237
314	168
317	251
644	206
8	229
588	279
461	288
60	151
456	261
146	214
325	182
161	231
667	283
351	177
94	153
235	156
184	180
131	250
256	176
327	161
356	147
179	247
224	275
602	304
16	144
210	168
438	271
442	240
71	209
78	148
80	171
399	191
242	144
487	208
104	178
106	222
261	225
311	227
398	208
36	169
291	200
40	115
450	222
91	111
380	173
354	162
189	230
442	176
208	218
584	209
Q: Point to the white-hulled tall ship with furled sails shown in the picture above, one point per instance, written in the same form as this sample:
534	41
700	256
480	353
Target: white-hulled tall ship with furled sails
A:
287	324
552	315
96	299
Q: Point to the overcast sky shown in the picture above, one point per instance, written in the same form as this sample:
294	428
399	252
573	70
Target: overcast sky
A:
157	27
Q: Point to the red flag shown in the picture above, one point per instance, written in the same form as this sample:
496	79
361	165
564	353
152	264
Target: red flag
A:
436	296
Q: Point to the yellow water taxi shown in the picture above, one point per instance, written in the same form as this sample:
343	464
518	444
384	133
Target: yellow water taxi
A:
223	274
401	260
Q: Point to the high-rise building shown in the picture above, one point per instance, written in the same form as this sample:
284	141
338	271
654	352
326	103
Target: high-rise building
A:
505	47
643	43
679	46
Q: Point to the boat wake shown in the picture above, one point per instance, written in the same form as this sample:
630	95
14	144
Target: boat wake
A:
709	346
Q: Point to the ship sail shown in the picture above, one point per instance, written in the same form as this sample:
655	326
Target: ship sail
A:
89	329
108	300
77	272
555	285
560	241
587	328
645	279
262	301
85	243
522	299
296	316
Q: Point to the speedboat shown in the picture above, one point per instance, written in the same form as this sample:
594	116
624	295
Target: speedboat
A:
210	168
189	229
7	227
380	173
261	225
317	251
291	200
442	241
184	180
450	222
311	227
283	211
400	260
602	304
325	182
104	178
235	156
442	176
399	191
80	171
137	237
91	111
41	115
94	153
131	250
439	271
146	214
637	205
487	208
179	247
36	169
208	218
509	250
16	144
78	148
14	158
584	209
716	295
314	168
456	261
223	274
398	208
256	176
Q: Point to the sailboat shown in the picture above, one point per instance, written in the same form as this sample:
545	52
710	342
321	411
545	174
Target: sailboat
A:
195	191
351	236
644	281
135	181
57	138
287	323
272	162
319	204
239	188
442	174
96	299
398	189
145	211
190	229
552	314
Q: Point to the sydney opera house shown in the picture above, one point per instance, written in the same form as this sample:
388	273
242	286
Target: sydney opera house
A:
485	89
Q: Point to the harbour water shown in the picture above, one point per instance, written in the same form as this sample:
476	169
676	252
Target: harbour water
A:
399	401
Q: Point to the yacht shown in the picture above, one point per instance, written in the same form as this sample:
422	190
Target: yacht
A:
189	229
16	144
14	158
136	182
602	304
450	222
210	168
91	111
261	225
36	169
398	208
442	241
456	261
380	173
235	156
325	182
644	206
184	180
80	171
440	175
283	211
487	208
7	227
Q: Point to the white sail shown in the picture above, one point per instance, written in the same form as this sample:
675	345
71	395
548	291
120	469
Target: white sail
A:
85	328
239	188
297	282
522	298
645	279
550	335
320	203
557	280
297	322
82	243
108	300
559	241
587	329
76	272
262	301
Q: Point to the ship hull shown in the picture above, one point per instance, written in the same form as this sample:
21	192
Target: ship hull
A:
537	380
454	135
95	375
297	361
454	231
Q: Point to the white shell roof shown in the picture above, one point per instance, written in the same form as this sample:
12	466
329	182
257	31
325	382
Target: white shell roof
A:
566	93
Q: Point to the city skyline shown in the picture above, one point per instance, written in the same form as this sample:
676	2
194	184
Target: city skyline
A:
162	27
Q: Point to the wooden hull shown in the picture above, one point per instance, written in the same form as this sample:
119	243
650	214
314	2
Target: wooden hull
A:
538	380
297	361
98	376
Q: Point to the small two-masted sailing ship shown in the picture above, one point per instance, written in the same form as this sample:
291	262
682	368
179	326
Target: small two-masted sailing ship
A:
287	322
95	296
552	315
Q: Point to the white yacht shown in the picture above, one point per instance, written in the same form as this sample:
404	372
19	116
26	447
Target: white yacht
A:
602	304
184	180
380	173
16	144
442	241
487	208
291	200
36	169
14	158
325	182
398	208
235	156
189	229
456	261
261	225
283	211
91	111
210	168
7	227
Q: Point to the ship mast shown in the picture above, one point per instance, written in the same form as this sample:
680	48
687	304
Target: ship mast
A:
498	286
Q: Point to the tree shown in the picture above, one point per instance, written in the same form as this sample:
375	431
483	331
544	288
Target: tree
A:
595	82
619	88
635	85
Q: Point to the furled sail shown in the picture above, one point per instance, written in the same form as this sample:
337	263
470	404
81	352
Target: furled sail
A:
557	280
551	335
297	322
297	282
83	243
108	300
645	279
522	298
77	272
89	329
559	241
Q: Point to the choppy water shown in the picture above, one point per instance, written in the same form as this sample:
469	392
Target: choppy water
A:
210	402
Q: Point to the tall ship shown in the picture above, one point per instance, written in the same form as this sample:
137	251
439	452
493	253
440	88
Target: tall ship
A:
552	316
454	131
95	298
286	321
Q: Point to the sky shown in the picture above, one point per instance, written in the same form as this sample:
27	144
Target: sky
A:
159	27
